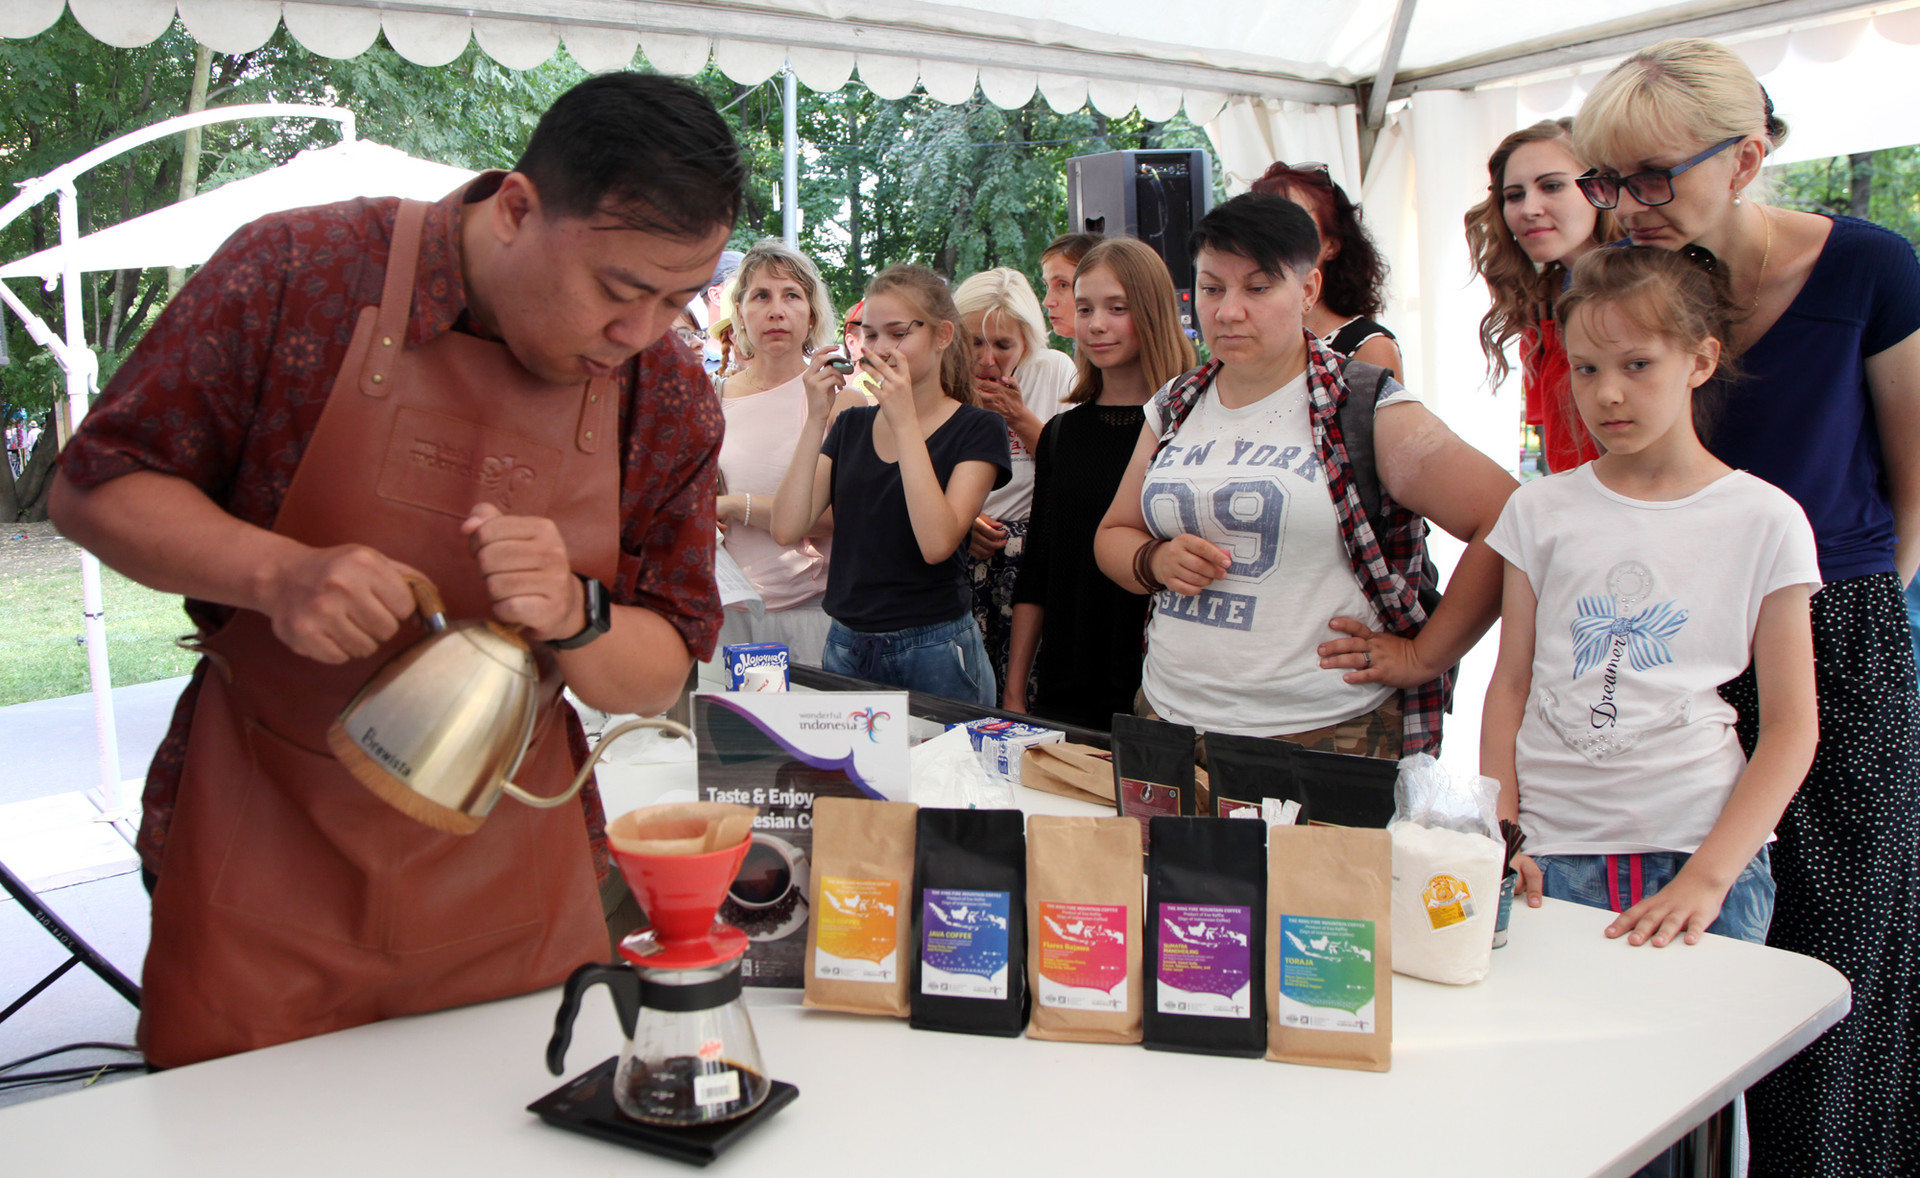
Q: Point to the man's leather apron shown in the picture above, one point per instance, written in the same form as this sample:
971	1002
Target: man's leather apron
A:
291	900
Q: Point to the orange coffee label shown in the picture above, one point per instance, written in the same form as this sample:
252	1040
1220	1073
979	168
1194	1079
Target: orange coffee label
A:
858	938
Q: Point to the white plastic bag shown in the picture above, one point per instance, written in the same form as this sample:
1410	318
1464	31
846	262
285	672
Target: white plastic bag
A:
946	774
1447	861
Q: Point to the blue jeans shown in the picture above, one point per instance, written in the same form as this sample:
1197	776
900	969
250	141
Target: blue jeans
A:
946	658
1608	881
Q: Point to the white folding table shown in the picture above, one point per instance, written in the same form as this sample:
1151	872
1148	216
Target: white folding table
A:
1578	1057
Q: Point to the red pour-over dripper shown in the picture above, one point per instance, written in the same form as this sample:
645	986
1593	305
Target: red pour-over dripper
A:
681	894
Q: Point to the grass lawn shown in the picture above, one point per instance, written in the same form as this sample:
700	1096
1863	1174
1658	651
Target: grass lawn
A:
40	620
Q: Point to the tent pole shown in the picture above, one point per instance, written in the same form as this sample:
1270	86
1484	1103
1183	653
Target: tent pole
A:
790	160
80	377
1375	110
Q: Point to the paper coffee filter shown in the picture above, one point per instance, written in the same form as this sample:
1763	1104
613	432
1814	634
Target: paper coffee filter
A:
681	828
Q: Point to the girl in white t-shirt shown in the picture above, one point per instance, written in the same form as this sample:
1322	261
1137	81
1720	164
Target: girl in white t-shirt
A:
1635	586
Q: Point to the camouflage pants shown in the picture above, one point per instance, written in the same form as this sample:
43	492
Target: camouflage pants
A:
1371	734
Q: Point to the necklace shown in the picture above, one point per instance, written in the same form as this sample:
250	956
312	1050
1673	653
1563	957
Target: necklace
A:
1765	257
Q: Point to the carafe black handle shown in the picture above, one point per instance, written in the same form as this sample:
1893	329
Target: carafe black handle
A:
621	981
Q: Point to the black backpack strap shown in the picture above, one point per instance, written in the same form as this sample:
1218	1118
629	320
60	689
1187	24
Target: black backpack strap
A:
1365	383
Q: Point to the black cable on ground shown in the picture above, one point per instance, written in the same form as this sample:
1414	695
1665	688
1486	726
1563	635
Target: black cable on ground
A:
65	1075
23	1061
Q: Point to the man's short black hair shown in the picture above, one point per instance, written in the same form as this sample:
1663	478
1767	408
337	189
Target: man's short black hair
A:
647	149
1270	231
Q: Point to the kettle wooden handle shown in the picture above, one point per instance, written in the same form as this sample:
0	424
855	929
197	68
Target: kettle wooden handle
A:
606	742
426	598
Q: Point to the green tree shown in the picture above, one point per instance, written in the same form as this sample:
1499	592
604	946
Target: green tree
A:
959	188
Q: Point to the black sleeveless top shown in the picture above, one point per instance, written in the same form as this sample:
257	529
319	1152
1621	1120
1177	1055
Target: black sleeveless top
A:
1355	332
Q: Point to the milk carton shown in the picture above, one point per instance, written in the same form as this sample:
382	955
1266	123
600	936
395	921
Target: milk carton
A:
1001	744
755	666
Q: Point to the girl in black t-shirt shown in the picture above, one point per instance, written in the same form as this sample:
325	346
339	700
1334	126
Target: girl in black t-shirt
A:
905	476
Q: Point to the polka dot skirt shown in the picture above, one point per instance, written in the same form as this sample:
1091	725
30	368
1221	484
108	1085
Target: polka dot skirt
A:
1849	894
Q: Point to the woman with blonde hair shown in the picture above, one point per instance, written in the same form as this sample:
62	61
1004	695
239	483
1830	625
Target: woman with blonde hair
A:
905	478
1525	237
1018	377
1828	331
1085	628
781	314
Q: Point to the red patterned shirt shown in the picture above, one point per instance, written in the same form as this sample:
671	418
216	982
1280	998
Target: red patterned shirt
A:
228	386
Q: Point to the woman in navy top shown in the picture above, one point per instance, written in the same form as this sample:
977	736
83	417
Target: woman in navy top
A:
905	478
1829	411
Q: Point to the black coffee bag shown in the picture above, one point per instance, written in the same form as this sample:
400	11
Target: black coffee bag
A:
1245	770
1206	937
1339	790
1152	769
970	922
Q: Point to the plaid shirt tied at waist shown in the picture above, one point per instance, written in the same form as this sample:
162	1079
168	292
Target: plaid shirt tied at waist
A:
1388	566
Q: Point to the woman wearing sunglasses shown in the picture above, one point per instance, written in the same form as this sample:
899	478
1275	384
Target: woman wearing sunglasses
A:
1829	411
1353	274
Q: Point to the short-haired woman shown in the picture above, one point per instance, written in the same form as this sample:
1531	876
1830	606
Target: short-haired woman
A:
1057	264
782	314
1240	512
1828	410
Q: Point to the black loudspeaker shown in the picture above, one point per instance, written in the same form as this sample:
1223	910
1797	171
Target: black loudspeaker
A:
1156	196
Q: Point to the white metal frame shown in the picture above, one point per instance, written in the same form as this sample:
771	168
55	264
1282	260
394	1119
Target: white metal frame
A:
118	799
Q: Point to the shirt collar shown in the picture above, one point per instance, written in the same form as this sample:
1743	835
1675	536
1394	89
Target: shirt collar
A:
439	283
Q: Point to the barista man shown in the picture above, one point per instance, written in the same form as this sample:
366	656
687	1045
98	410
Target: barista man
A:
483	391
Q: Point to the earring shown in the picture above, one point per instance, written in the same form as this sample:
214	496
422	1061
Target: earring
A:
1736	200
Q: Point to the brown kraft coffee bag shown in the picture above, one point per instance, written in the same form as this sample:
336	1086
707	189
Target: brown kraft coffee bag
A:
1083	928
860	929
1329	947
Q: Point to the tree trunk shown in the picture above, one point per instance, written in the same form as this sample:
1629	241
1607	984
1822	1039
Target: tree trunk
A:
853	190
29	492
1860	191
190	154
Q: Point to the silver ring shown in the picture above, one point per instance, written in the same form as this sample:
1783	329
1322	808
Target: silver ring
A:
1369	655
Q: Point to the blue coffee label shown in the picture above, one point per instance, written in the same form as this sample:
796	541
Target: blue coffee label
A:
963	943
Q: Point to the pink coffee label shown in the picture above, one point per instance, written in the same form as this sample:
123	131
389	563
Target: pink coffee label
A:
1083	947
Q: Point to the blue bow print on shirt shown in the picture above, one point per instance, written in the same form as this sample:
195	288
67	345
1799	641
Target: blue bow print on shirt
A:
1646	632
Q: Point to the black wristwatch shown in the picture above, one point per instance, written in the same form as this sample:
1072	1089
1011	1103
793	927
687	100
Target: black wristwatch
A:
599	616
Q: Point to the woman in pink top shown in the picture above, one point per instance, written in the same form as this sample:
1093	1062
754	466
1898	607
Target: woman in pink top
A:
782	314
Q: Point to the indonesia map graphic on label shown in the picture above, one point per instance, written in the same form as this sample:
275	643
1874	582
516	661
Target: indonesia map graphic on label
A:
963	944
857	923
1083	956
1205	960
1326	974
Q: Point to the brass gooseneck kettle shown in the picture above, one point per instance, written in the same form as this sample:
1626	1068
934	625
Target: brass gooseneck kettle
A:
439	730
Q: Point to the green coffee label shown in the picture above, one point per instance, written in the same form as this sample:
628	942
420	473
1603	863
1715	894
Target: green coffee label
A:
1326	974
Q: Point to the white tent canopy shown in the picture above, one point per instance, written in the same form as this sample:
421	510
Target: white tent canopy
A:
186	233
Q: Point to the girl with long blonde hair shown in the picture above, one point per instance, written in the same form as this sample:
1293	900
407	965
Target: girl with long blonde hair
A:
1085	628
